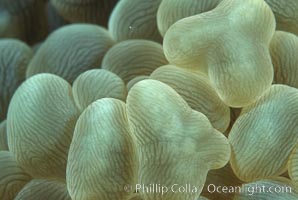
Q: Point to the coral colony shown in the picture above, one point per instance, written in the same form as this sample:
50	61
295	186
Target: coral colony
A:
148	100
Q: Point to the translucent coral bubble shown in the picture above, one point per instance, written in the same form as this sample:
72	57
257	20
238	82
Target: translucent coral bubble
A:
132	58
175	144
284	51
264	134
103	152
42	189
12	176
70	51
170	11
135	20
231	44
96	84
82	11
286	14
40	123
197	91
14	58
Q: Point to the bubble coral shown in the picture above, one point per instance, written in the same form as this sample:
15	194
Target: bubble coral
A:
71	50
170	11
286	14
196	90
40	123
14	58
132	58
284	51
175	144
102	151
210	42
41	189
135	20
81	11
264	134
96	84
12	176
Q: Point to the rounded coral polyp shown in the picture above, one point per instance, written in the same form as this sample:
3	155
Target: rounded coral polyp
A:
131	58
71	50
82	11
43	189
102	157
197	91
135	20
40	123
96	84
264	135
284	51
171	11
12	176
14	58
148	99
285	14
230	43
175	144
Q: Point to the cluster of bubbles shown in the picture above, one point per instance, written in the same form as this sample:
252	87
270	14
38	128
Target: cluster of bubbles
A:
100	95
